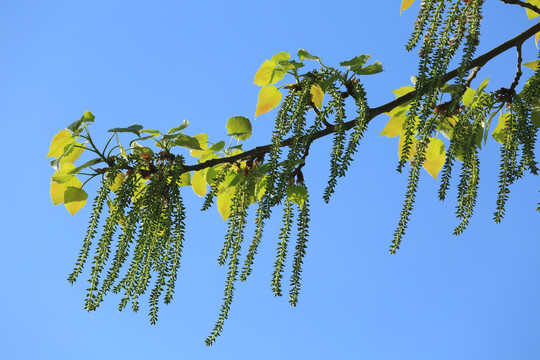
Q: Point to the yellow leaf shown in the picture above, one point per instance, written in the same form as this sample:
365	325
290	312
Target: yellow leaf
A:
405	4
269	98
224	204
280	56
75	199
394	127
412	150
435	157
198	183
532	14
317	95
118	180
59	142
59	185
72	155
203	142
264	74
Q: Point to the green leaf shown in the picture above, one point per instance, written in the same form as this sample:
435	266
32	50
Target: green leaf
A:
357	61
435	157
210	175
403	90
468	97
203	143
207	155
87	118
269	73
137	148
187	142
151	132
59	142
74	151
368	70
59	185
260	188
395	125
329	81
297	194
535	113
303	54
135	129
218	146
290	64
224	202
269	98
181	127
74	199
239	127
198	182
84	166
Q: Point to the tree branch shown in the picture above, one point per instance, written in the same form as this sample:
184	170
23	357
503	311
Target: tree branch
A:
372	113
522	4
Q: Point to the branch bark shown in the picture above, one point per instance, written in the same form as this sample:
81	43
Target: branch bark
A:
374	112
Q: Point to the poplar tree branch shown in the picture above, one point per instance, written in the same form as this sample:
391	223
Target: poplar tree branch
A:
522	4
479	61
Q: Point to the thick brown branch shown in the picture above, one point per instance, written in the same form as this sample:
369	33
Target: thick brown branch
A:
477	62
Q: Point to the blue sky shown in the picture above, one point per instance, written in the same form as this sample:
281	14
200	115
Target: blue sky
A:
156	63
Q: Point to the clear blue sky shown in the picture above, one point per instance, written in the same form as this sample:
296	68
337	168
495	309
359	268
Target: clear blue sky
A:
156	63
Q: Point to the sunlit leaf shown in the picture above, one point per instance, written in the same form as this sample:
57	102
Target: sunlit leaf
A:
59	143
187	142
137	148
260	189
85	165
239	127
368	70
198	182
532	64
435	156
317	95
218	146
290	64
151	132
210	175
530	13
412	150
499	133
395	125
207	155
74	199
60	183
297	194
135	129
203	143
184	180
403	90
268	74
118	180
72	154
405	4
357	61
303	54
468	97
224	204
181	127
269	98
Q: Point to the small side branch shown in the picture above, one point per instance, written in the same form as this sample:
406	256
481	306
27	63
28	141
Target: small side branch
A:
522	4
518	72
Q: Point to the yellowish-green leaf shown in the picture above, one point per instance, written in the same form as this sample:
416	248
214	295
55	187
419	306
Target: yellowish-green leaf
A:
403	90
412	150
198	182
224	204
74	199
468	97
260	188
73	154
118	180
267	74
395	125
269	98
535	113
499	133
297	194
203	143
59	184
435	156
280	56
59	143
405	4
530	13
532	64
317	95
184	180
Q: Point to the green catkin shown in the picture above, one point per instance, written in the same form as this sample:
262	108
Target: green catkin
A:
281	256
300	252
214	188
259	227
97	208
